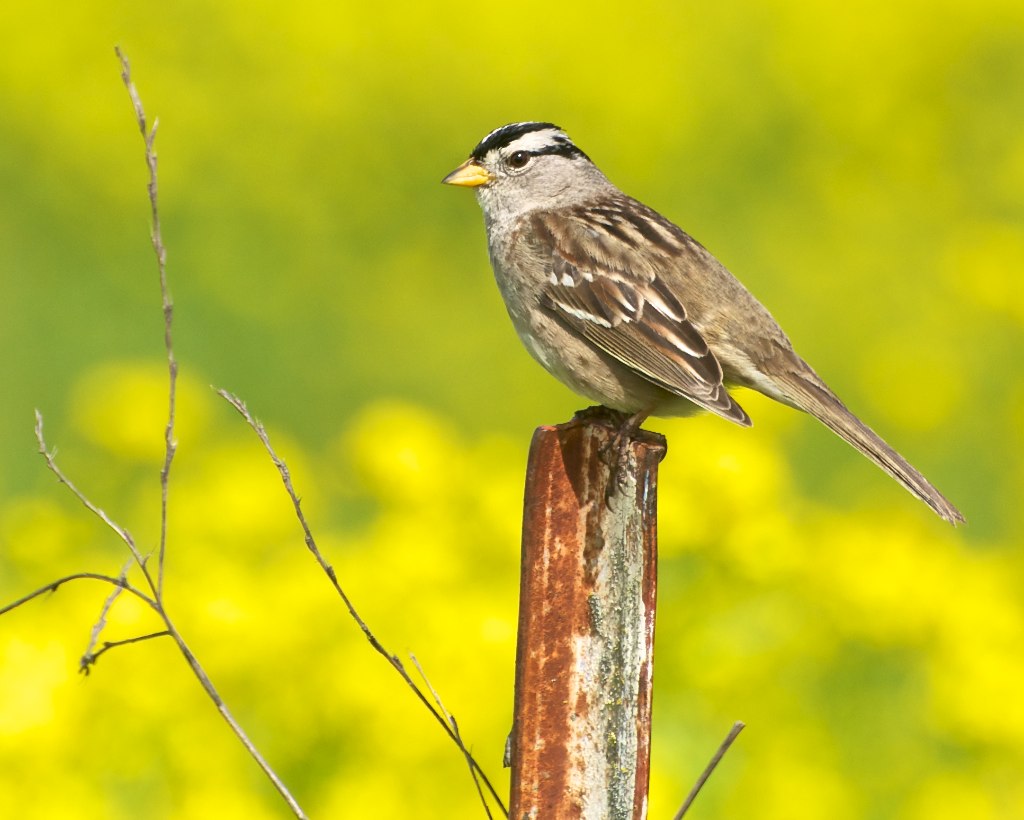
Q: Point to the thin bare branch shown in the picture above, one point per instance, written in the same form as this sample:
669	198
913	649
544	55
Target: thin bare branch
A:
156	603
328	570
120	583
94	635
53	586
120	531
88	660
458	737
737	727
236	728
170	445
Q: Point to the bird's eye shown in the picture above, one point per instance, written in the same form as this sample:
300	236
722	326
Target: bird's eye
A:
519	159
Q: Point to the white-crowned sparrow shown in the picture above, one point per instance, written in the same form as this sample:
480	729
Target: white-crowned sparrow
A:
628	310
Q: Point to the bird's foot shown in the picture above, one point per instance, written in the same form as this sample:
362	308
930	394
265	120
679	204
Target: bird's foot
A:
616	453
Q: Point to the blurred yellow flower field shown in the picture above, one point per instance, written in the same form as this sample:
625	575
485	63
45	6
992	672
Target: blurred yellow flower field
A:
861	169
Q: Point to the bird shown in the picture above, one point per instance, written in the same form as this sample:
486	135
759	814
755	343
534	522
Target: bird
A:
629	311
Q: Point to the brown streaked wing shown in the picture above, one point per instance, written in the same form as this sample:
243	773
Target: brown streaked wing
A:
642	324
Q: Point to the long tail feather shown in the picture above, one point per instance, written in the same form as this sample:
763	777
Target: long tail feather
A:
808	393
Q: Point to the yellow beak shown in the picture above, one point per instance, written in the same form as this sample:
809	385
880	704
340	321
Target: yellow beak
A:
468	175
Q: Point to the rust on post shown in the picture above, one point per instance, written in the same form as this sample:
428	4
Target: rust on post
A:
581	732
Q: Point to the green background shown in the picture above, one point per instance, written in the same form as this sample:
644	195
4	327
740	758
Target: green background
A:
859	166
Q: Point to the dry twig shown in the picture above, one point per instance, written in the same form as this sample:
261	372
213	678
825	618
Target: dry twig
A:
458	738
53	586
328	570
156	236
119	531
154	596
156	602
155	584
88	658
737	727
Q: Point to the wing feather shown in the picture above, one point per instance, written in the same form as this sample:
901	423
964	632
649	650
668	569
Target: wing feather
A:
607	291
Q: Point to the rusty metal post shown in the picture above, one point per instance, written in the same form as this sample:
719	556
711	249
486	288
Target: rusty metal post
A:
581	734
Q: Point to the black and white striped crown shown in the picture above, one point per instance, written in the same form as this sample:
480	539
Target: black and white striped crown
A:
536	137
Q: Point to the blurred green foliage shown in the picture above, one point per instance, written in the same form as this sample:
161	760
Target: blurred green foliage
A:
859	166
